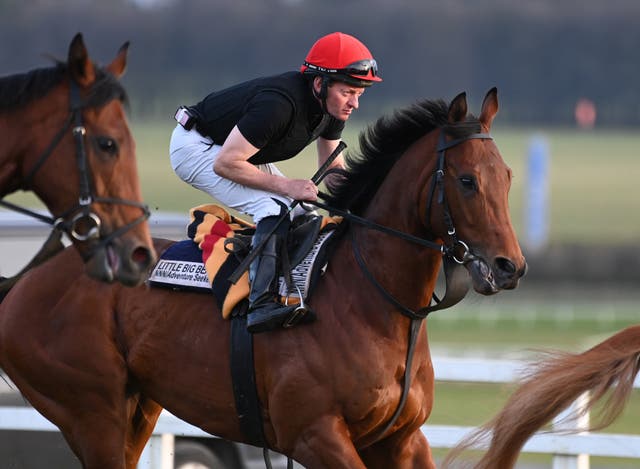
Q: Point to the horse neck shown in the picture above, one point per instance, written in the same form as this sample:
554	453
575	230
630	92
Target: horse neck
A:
404	269
30	131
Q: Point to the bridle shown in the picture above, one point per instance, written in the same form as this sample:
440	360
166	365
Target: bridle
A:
455	253
79	222
455	274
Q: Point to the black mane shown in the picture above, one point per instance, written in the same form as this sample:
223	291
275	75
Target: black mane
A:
382	144
17	91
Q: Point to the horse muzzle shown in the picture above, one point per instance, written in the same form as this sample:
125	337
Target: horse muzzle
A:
501	274
127	262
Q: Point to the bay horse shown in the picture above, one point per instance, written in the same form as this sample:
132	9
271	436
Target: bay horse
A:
607	371
65	137
101	361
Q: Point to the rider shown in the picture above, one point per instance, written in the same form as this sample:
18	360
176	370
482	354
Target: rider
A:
226	145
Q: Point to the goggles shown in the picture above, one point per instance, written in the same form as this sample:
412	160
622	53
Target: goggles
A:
359	68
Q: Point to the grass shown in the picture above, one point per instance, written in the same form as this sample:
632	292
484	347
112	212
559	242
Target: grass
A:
520	329
518	325
594	196
593	190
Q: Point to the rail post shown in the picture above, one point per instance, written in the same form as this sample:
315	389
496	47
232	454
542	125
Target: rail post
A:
575	420
158	452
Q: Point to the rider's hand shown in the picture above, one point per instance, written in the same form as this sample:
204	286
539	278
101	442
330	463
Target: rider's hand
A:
302	189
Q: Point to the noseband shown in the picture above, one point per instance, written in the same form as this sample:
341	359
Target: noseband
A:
79	222
438	182
457	252
453	261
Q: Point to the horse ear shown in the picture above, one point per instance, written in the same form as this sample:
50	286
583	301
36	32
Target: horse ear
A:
80	66
489	107
458	108
119	64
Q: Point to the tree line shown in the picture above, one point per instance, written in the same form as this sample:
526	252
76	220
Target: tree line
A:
543	56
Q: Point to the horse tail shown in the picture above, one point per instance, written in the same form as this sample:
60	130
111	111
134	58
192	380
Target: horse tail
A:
608	369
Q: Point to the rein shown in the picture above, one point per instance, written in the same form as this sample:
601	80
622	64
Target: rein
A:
85	224
456	277
450	252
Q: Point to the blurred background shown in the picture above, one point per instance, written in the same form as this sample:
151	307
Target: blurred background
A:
544	56
569	120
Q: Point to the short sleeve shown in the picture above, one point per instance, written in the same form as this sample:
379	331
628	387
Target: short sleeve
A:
333	130
266	118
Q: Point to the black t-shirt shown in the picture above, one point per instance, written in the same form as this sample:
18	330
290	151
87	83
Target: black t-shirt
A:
278	114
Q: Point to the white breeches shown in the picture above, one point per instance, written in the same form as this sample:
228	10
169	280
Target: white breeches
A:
192	158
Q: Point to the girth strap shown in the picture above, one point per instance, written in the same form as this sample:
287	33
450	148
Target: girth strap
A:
244	380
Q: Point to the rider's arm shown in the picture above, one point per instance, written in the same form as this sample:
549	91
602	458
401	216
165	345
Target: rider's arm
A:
232	164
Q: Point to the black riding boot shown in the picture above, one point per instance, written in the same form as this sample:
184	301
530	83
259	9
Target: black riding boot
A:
265	313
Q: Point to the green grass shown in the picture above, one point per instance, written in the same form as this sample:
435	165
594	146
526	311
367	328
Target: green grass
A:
593	178
520	324
523	329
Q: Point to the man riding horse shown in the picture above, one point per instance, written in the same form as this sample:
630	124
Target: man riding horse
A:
226	145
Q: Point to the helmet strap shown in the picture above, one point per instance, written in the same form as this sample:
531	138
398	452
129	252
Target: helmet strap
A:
323	93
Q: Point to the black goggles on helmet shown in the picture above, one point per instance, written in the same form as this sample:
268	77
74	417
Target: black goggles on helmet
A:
359	68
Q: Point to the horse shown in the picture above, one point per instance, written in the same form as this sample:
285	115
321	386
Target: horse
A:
100	361
65	137
606	371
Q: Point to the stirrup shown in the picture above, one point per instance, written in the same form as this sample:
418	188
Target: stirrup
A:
298	314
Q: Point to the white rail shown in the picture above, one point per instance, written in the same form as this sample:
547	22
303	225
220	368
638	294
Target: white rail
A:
569	450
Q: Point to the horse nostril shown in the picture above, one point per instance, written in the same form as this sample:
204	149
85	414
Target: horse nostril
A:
142	256
505	265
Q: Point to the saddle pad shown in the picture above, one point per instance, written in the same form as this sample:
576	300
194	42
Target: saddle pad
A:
303	274
205	254
203	263
181	267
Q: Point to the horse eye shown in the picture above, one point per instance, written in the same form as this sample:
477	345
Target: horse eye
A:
468	183
107	145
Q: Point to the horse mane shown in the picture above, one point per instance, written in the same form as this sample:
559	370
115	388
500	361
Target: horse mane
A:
382	144
17	91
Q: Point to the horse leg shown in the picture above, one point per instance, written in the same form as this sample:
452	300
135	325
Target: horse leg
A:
94	429
143	414
75	377
326	445
400	451
104	427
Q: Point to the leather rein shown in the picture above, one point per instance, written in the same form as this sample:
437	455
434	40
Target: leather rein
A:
456	276
85	223
451	252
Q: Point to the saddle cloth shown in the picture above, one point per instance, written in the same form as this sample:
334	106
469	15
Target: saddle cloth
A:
218	243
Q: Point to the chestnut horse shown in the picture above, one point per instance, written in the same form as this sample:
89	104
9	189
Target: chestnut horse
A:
607	371
65	137
100	360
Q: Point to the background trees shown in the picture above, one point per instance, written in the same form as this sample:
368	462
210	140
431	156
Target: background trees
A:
543	56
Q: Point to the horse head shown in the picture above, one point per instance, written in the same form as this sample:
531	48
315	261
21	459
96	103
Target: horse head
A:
81	162
472	215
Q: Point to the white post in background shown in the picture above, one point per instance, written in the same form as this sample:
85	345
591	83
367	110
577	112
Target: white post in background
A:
572	420
536	200
158	453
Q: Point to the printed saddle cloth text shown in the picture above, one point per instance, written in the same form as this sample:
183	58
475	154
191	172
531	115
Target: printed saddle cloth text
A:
217	244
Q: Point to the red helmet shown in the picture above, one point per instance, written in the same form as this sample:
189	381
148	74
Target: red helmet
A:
344	58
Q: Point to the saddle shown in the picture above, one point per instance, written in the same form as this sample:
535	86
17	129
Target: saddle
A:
217	244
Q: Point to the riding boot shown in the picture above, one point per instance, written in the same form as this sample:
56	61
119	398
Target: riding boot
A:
265	313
